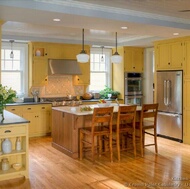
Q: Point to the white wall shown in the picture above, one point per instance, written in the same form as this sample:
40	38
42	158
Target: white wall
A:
148	75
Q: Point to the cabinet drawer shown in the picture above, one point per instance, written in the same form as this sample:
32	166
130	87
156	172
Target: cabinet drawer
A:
46	107
12	130
32	108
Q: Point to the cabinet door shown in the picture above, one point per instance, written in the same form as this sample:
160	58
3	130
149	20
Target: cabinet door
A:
83	79
39	72
32	113
177	56
138	57
163	59
133	59
187	60
45	119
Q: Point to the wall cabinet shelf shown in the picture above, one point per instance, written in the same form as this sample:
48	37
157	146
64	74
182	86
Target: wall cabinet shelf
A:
21	156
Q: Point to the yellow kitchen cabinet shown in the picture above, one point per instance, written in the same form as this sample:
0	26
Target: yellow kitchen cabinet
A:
63	51
187	60
38	64
83	79
39	50
39	72
169	55
133	59
11	132
15	110
38	115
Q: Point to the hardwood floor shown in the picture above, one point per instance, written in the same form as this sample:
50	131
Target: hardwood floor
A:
51	169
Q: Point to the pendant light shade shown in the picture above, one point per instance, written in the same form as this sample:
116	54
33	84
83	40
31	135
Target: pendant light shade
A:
11	54
116	58
82	57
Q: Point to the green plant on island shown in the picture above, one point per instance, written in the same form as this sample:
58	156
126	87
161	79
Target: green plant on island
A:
107	90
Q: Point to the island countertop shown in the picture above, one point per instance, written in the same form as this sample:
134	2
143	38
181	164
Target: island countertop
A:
76	110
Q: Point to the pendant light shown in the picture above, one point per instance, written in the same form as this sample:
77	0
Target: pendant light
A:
116	58
11	54
82	57
102	57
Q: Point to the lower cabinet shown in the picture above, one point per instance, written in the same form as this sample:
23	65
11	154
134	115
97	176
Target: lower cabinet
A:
14	164
38	115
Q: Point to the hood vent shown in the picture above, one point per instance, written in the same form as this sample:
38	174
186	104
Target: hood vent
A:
63	67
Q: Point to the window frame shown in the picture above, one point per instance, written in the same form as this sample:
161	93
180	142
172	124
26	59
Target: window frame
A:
107	52
23	47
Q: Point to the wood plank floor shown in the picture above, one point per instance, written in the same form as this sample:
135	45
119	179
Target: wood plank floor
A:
51	169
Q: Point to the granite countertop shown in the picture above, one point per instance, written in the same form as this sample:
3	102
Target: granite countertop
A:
26	103
10	118
77	111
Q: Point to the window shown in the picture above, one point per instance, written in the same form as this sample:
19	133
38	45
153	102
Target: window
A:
100	69
14	71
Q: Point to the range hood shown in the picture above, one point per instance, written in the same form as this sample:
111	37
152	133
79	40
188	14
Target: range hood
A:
63	67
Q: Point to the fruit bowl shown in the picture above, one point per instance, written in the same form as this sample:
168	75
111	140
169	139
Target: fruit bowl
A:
17	166
106	104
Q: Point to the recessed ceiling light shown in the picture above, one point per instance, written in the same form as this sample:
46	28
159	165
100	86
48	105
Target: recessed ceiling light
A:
56	20
124	27
176	33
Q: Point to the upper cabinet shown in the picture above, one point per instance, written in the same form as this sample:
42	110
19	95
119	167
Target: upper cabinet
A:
38	64
133	59
83	79
39	53
169	55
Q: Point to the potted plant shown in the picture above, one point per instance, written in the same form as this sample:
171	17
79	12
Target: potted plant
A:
104	93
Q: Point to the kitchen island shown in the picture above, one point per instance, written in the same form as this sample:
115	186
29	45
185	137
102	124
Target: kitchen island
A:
66	122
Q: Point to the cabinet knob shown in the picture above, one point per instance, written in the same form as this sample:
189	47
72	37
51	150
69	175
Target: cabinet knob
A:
168	63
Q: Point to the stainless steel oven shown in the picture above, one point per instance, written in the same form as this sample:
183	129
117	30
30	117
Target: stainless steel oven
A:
134	99
133	88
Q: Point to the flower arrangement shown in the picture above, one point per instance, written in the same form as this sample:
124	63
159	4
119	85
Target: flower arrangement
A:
6	96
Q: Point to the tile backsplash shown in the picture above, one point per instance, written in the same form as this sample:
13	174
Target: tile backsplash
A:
59	86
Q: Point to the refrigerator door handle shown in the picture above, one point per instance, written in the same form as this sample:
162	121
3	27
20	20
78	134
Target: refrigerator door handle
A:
165	93
168	92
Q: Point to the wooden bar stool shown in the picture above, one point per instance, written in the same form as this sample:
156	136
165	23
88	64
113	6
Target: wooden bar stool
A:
101	126
148	120
125	125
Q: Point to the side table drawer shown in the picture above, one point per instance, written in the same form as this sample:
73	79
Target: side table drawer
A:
14	130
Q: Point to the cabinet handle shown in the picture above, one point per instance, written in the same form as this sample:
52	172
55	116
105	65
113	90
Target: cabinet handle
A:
133	67
168	63
7	131
13	109
43	107
63	115
28	108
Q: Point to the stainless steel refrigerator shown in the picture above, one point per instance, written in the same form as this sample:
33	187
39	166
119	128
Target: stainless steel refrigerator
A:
169	97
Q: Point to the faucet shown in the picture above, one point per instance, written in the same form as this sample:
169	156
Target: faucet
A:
117	101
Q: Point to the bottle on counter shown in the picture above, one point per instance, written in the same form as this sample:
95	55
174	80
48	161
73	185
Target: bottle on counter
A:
18	144
6	146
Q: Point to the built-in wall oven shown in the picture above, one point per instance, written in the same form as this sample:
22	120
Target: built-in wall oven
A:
133	88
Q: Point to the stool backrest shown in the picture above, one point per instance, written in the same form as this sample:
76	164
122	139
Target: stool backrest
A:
102	117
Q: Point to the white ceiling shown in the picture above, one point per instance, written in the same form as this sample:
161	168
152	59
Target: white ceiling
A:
147	20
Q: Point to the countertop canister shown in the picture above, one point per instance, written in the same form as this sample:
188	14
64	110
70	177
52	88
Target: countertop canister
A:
6	146
5	164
